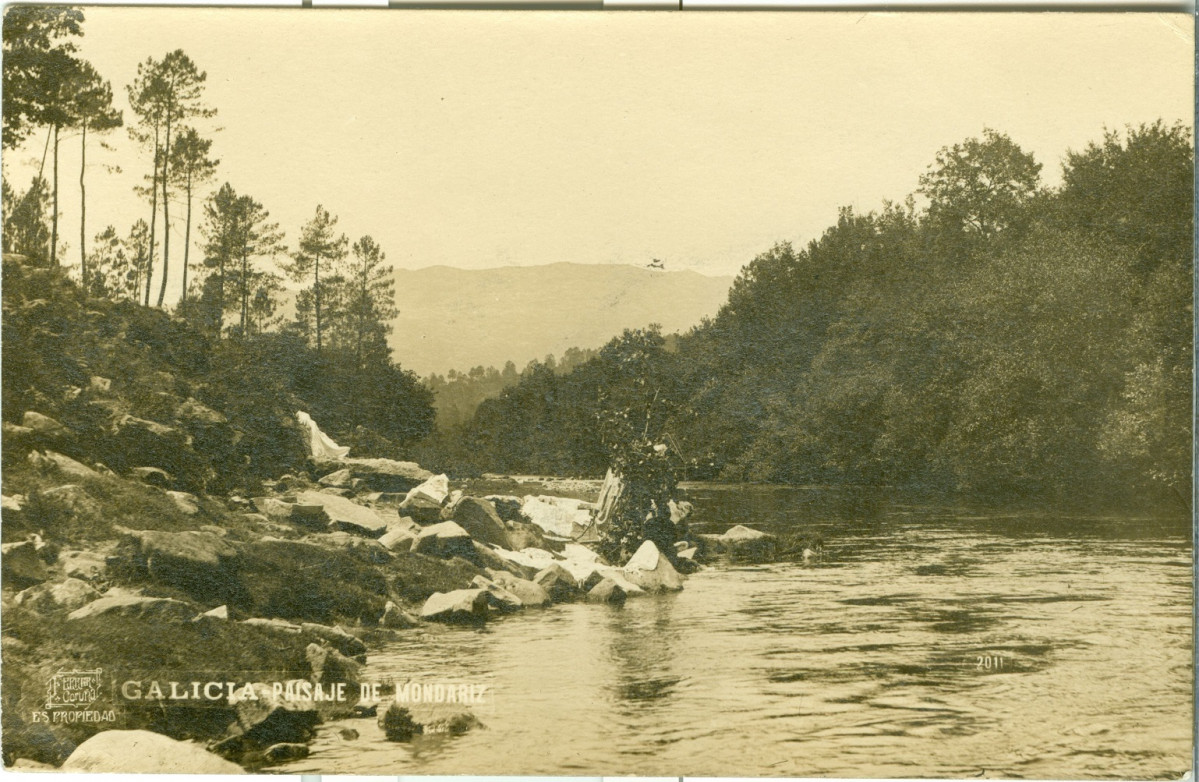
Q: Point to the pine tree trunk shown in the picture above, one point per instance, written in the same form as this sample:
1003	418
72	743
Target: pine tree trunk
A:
316	290
54	216
245	292
220	298
153	219
187	236
83	209
166	214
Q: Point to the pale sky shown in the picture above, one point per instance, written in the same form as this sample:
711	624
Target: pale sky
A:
480	139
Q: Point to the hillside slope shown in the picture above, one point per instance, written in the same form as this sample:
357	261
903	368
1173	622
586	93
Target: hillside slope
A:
456	319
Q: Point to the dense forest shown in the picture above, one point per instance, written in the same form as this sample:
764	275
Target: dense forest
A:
103	309
988	335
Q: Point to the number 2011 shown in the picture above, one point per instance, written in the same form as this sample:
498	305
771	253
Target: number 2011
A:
989	663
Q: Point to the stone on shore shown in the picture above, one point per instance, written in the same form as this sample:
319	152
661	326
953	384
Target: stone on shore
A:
400	722
64	595
385	475
561	516
144	752
606	591
395	618
281	753
750	545
85	565
49	460
461	605
152	476
480	519
530	594
651	571
339	479
498	597
400	535
46	430
345	515
336	637
330	666
21	564
445	540
424	502
558	582
157	609
267	719
186	502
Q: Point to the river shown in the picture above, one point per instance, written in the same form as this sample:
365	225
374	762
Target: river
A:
931	642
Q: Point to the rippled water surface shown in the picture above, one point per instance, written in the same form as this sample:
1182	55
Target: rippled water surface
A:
931	642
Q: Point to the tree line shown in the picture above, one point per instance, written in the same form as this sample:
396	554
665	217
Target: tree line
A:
987	336
233	290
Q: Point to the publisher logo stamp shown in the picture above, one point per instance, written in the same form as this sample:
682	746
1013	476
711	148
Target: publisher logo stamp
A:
73	689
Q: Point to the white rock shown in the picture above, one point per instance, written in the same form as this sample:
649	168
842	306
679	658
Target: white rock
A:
651	571
434	491
144	752
345	515
561	516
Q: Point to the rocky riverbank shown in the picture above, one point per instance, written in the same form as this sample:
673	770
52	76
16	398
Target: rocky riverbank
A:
240	623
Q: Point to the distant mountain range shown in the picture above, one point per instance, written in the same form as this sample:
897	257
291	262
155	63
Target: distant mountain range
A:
458	318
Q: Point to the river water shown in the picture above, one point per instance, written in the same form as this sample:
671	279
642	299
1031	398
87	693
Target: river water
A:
931	642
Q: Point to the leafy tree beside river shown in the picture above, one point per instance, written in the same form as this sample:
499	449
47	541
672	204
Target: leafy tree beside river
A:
1002	339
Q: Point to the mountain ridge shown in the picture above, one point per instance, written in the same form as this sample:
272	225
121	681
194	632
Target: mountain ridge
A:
454	318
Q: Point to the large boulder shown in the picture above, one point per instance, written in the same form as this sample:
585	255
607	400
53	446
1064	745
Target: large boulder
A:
267	719
424	502
157	609
330	666
345	515
339	479
561	516
144	752
200	563
395	618
461	605
446	539
46	430
85	565
651	571
523	534
385	475
480	519
186	502
529	593
21	564
498	597
749	545
336	637
606	591
69	506
558	582
398	539
49	461
66	595
402	721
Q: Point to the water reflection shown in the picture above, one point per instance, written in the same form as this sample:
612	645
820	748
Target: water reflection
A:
931	642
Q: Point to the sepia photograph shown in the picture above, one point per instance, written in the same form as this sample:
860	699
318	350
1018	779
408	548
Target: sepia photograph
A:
581	393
